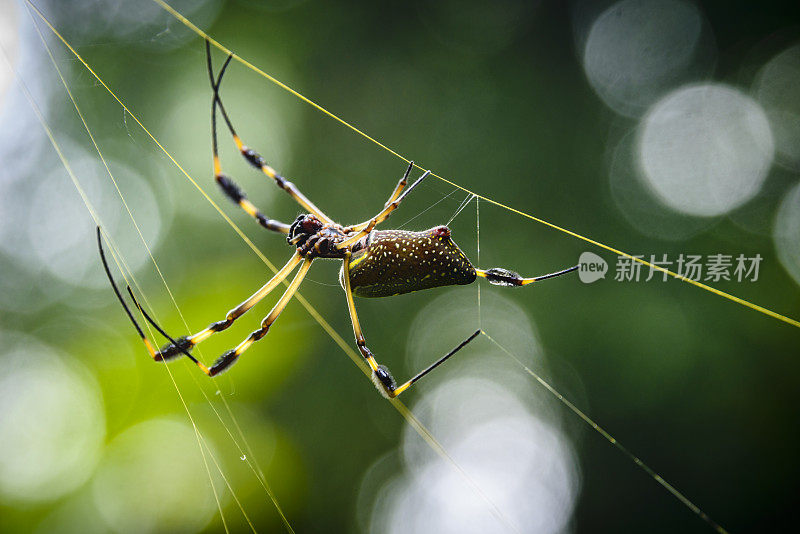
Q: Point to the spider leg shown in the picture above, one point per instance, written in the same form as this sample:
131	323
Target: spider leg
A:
401	184
365	228
186	343
381	376
252	157
395	193
230	357
228	186
146	341
503	277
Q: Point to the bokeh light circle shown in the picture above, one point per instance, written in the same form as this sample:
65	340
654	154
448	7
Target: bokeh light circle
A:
153	479
58	223
449	318
9	41
52	423
523	465
637	49
636	203
145	24
705	149
505	435
786	233
776	89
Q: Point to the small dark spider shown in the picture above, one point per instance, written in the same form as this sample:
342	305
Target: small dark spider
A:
375	263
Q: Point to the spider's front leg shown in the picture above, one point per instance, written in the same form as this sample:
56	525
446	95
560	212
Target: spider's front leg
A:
228	186
252	157
381	376
230	357
360	230
185	343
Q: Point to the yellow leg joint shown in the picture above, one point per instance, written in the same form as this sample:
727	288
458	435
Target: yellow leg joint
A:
238	142
247	206
243	346
269	171
149	346
200	336
397	391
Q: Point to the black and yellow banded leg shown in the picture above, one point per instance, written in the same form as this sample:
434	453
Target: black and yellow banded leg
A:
235	193
230	357
367	226
228	186
351	307
257	161
401	184
381	376
252	157
147	344
185	344
503	277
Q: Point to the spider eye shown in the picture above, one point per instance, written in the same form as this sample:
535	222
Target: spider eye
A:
311	224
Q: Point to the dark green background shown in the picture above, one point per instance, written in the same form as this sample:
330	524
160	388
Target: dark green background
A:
702	389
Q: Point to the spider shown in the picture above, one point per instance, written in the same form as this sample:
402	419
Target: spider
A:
375	263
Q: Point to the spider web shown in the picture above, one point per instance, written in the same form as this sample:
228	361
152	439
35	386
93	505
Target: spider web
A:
239	439
346	346
521	213
204	449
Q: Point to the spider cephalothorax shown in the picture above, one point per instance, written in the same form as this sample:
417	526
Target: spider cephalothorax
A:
375	263
303	228
315	239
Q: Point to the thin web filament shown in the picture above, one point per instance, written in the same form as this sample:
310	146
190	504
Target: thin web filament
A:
399	406
718	292
126	271
95	216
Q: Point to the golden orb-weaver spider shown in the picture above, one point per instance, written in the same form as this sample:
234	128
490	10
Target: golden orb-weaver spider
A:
375	263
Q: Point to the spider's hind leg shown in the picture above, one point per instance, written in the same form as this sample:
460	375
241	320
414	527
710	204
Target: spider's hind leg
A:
364	228
401	184
504	277
381	376
386	384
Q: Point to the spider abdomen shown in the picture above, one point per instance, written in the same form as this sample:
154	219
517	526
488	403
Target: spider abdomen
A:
397	261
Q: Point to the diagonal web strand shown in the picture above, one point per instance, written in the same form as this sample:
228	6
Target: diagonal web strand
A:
397	404
260	72
96	218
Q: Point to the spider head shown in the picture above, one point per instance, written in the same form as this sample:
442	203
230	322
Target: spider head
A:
302	228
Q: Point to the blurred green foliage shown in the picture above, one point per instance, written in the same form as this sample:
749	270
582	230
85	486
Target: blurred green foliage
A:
703	390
